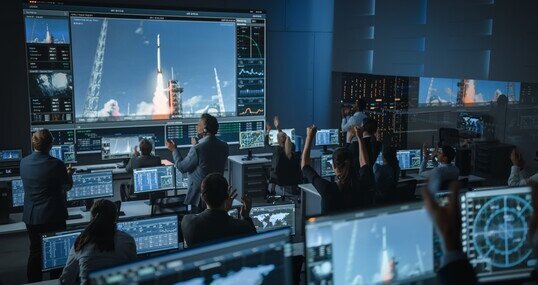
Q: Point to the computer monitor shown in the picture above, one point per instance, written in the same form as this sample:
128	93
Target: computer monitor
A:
408	159
327	137
56	247
494	232
263	259
182	180
91	186
153	234
122	147
251	139
153	179
65	153
270	217
327	169
470	126
8	155
379	246
17	193
273	136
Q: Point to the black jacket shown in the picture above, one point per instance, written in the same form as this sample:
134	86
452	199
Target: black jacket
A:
213	224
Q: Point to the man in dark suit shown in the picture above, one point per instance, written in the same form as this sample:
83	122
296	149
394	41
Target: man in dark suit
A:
144	158
207	155
46	180
214	223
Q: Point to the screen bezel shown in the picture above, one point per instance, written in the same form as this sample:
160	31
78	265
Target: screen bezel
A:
294	225
18	150
55	234
241	146
164	215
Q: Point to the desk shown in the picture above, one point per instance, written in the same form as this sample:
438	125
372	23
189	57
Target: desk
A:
131	209
310	200
248	176
473	179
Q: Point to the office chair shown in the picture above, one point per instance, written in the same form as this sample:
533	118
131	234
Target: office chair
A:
288	172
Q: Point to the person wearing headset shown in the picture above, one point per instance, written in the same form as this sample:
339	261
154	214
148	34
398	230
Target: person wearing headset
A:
208	154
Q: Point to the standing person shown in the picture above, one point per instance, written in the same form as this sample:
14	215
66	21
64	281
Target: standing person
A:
387	175
100	245
46	180
355	120
351	187
206	156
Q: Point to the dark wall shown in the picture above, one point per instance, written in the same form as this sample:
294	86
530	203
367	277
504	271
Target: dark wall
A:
478	39
299	49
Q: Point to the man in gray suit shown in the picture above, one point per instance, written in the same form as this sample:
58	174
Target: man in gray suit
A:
206	156
144	158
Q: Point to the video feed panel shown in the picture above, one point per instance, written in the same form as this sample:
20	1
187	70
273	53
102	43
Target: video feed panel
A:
270	217
65	153
154	179
327	169
228	131
90	140
17	193
56	249
263	258
10	155
91	186
382	246
495	231
153	234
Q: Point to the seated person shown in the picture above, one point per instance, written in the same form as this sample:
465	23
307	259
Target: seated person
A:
371	144
387	175
283	159
350	190
443	170
517	174
144	158
455	267
100	245
214	223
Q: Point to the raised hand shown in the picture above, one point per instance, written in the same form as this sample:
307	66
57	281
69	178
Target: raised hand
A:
358	132
70	169
136	153
246	207
311	131
171	145
229	200
446	218
516	158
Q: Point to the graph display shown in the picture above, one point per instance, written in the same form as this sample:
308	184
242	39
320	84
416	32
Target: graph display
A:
56	249
251	139
154	179
153	234
17	193
327	169
382	246
259	259
91	186
270	217
409	159
327	137
494	231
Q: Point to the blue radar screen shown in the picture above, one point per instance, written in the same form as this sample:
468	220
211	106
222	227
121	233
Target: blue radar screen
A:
494	231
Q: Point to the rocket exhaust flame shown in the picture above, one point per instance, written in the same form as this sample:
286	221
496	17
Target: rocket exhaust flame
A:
161	109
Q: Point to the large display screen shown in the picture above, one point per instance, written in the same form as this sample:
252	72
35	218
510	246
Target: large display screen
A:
125	68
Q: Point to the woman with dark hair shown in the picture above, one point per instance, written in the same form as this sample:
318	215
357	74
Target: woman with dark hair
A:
100	245
387	174
351	186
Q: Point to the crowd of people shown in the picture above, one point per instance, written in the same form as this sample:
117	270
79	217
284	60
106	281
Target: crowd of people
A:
359	182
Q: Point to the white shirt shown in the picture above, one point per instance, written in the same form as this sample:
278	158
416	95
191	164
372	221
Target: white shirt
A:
349	122
517	177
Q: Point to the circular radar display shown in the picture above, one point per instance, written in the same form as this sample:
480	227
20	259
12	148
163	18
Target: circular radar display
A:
500	231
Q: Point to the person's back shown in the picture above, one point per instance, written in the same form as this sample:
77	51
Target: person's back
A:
214	223
99	246
144	158
44	178
211	225
387	175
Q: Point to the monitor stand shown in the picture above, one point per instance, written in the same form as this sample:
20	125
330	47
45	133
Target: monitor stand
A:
121	213
88	203
74	217
249	155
